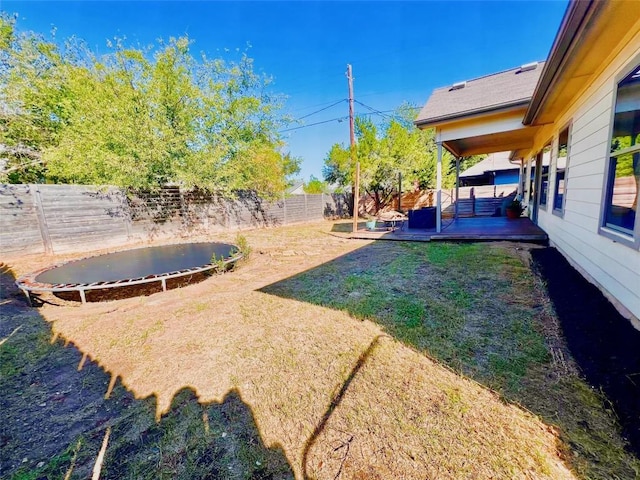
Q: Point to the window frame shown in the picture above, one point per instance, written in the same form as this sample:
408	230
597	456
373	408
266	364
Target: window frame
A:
541	178
559	211
633	240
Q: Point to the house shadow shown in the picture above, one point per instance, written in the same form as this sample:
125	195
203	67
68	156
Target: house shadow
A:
603	344
58	408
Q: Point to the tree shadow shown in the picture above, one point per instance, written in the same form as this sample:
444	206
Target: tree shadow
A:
56	405
335	403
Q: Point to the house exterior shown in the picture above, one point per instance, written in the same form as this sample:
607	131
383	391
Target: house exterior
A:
496	169
297	188
583	113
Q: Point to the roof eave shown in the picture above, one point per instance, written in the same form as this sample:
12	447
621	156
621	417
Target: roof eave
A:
428	122
576	17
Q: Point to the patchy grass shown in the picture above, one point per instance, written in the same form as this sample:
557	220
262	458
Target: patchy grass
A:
479	309
320	358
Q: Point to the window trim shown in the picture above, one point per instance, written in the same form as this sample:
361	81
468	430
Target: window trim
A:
632	241
560	211
544	206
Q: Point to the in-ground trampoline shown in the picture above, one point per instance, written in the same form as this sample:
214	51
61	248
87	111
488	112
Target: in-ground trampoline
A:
130	268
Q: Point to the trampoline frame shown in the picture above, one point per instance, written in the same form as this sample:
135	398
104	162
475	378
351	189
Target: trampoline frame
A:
29	285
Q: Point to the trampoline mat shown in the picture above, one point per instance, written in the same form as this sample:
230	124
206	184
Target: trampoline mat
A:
136	263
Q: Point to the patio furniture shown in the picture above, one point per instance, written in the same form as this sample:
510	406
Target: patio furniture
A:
422	218
392	218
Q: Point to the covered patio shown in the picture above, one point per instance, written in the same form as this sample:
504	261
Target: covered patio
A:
482	116
459	229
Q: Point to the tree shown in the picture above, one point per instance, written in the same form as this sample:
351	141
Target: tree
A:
315	186
139	118
399	149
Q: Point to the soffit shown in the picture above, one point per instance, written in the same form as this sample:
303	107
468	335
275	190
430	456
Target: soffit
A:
521	139
590	47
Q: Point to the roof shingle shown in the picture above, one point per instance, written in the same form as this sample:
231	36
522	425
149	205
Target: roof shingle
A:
503	89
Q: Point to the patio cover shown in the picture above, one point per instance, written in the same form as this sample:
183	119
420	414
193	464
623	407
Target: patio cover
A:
504	111
483	115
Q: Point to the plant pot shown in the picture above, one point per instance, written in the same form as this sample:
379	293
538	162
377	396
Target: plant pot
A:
513	213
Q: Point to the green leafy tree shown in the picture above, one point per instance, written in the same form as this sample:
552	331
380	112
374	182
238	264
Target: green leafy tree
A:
138	118
399	148
315	186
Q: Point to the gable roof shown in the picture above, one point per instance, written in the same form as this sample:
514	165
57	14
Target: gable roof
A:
296	188
495	162
506	89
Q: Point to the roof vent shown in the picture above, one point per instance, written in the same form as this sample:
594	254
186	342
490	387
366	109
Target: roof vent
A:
527	67
458	85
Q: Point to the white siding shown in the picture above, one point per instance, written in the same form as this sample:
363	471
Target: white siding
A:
611	265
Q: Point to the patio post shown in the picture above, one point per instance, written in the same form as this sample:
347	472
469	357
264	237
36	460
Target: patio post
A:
455	214
520	191
439	189
527	183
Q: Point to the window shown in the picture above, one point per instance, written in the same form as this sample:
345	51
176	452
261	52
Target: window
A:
562	163
545	158
623	174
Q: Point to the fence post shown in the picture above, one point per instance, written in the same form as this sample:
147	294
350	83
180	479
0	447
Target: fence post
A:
126	213
472	194
42	220
226	209
284	207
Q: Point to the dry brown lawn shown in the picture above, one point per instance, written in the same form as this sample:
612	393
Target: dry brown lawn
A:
338	395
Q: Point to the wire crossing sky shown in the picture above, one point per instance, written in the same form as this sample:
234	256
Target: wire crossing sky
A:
400	51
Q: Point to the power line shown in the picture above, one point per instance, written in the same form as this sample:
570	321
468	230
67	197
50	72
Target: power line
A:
339	119
375	110
316	105
322	109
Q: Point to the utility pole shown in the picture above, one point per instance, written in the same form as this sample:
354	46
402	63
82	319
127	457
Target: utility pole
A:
354	160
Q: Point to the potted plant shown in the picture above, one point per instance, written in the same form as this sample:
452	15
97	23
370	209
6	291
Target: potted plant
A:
514	209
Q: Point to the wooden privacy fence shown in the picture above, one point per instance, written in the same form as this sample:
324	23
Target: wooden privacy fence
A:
472	202
66	218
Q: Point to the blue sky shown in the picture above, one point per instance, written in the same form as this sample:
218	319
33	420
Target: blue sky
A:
400	51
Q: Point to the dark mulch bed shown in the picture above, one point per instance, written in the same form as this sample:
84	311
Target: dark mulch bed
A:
604	344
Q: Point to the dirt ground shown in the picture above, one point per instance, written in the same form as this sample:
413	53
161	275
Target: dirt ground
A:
217	380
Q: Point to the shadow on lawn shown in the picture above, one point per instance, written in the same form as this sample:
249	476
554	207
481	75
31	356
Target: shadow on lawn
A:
604	344
464	314
335	403
54	416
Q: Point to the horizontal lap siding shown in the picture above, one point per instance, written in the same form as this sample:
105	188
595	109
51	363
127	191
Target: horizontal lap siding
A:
615	267
19	230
